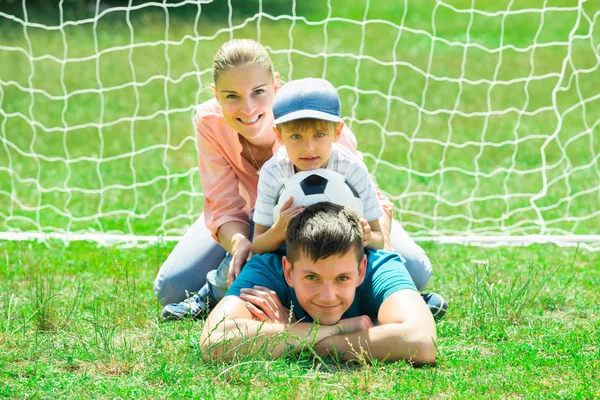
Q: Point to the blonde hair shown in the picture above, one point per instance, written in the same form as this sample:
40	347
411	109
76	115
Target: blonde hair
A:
239	53
304	124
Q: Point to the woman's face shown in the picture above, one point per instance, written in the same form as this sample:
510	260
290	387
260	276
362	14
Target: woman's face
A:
246	96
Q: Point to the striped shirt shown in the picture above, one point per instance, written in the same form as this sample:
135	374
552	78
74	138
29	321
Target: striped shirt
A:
279	169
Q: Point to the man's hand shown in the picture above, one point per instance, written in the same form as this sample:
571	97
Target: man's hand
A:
366	228
286	213
242	252
264	305
351	325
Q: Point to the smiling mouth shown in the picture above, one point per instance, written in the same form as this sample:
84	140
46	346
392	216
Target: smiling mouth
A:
250	121
309	159
326	308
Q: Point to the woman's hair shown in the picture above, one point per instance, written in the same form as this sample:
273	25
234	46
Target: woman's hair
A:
239	53
323	230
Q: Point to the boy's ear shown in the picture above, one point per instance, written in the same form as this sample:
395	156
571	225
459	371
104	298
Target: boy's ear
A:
362	270
338	132
277	134
287	270
215	93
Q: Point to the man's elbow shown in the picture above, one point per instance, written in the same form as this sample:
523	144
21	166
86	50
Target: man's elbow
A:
425	351
419	344
215	345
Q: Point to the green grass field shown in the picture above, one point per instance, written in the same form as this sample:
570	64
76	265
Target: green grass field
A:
460	139
82	322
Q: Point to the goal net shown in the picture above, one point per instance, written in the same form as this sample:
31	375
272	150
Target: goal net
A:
478	119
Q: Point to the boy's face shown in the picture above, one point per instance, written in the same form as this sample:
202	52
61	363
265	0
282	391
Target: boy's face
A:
309	149
325	289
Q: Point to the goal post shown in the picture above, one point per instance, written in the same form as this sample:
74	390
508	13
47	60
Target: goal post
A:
480	122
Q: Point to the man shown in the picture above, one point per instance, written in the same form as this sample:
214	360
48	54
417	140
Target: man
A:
335	292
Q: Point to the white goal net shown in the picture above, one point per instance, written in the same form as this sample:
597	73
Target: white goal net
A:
480	120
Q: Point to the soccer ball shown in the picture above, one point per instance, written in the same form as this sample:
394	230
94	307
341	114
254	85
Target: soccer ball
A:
310	187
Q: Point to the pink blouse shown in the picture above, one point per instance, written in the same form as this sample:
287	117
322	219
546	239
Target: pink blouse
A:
229	181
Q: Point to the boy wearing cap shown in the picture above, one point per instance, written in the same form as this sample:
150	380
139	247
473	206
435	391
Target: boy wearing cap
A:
308	125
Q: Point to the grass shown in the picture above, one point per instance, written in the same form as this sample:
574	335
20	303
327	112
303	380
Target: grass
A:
440	131
524	325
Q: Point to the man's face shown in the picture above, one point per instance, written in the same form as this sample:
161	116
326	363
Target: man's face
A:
325	289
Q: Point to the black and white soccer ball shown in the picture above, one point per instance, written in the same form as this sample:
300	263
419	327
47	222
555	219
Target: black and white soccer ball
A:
310	187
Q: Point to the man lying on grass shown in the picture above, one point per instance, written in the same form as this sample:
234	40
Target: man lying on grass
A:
335	291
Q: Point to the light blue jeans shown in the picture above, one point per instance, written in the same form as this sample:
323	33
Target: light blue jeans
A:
185	270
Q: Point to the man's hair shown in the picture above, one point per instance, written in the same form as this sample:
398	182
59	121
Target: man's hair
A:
323	230
304	124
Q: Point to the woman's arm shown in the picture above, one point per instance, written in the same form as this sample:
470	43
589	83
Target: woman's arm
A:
223	206
220	184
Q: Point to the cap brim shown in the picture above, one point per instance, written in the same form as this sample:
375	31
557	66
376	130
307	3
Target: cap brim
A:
301	114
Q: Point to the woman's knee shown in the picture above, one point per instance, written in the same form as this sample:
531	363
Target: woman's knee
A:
166	290
420	269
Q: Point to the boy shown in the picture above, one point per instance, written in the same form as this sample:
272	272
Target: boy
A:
307	124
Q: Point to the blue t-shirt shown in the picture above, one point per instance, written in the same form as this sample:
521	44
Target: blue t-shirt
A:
385	275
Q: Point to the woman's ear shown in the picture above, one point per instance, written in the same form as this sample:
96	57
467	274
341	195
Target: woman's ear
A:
215	93
276	80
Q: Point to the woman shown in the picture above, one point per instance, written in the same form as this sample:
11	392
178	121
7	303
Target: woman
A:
235	138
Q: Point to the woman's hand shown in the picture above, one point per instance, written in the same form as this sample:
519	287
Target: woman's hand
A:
241	252
264	305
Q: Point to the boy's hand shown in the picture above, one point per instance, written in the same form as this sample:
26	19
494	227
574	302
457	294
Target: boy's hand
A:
286	214
366	231
351	325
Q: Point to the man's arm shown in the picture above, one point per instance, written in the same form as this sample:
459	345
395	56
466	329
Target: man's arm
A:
406	331
230	330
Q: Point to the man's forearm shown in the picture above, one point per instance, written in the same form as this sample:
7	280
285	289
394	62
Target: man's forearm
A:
249	337
390	342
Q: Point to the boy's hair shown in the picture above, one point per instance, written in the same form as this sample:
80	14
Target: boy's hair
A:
239	53
304	124
322	230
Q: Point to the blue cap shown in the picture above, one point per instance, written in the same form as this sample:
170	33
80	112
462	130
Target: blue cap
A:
307	98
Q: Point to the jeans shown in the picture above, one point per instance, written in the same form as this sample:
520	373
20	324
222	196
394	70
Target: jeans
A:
186	268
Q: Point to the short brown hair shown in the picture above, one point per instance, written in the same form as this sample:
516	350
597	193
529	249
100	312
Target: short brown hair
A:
322	230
